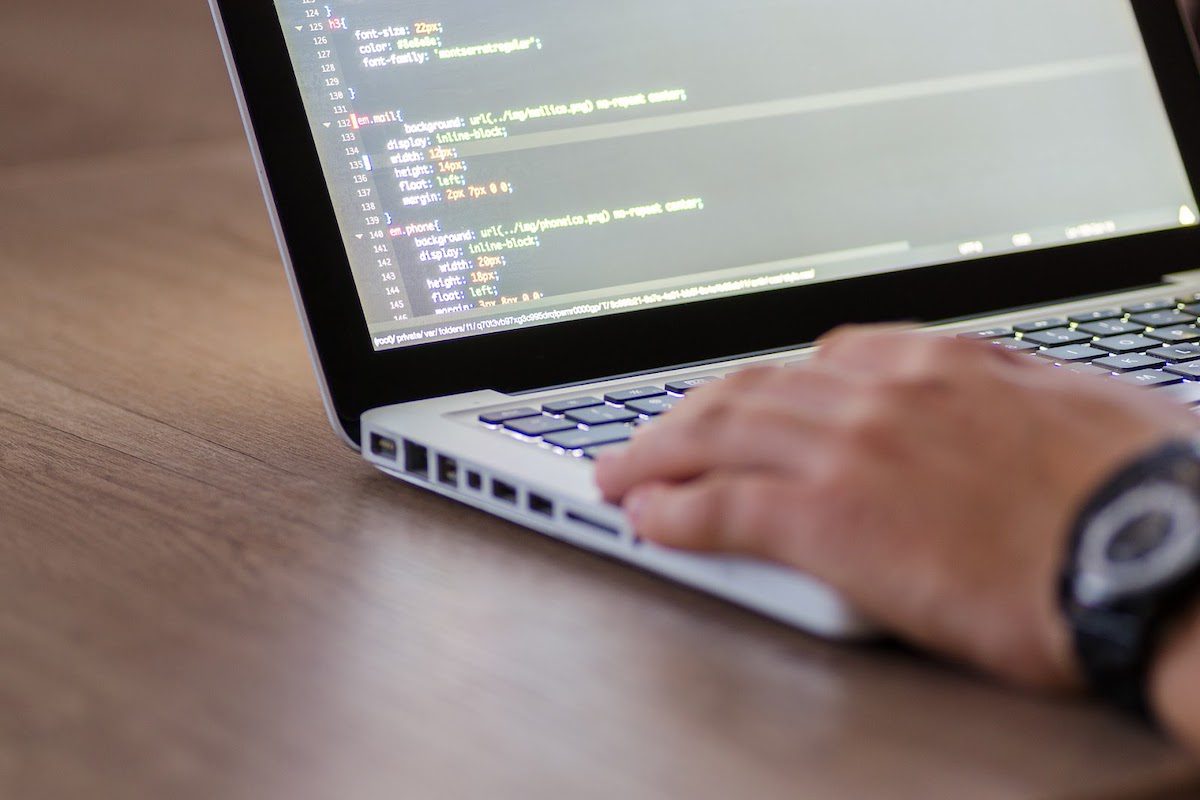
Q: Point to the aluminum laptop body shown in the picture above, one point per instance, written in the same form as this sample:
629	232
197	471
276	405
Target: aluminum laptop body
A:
517	231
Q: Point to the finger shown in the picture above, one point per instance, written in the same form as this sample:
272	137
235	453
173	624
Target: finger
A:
756	431
740	513
854	337
819	390
887	351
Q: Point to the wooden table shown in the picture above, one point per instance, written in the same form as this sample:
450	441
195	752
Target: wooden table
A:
203	594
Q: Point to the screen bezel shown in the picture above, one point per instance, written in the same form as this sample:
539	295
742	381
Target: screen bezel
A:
358	378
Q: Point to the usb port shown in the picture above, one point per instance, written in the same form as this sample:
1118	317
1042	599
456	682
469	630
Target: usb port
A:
541	505
447	470
504	492
416	459
383	447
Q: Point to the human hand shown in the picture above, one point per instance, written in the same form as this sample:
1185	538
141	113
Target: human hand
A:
932	481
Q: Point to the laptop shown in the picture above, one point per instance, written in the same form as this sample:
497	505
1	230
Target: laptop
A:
516	232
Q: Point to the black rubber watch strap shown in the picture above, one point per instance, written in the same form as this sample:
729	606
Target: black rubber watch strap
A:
1117	642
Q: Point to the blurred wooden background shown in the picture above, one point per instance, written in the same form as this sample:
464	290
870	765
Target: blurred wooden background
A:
203	594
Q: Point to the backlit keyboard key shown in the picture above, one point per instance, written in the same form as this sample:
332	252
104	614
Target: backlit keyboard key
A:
1125	344
1040	325
561	407
1057	337
592	453
1150	305
1176	353
602	415
1015	345
1072	353
1129	362
1111	327
1081	368
1179	333
539	426
685	386
1163	319
1191	371
619	398
1096	316
984	336
501	417
1150	377
653	406
592	437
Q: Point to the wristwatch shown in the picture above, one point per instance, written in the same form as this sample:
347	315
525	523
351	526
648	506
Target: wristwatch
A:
1133	568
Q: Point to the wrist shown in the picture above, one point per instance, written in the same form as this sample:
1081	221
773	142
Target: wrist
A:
1172	677
1132	574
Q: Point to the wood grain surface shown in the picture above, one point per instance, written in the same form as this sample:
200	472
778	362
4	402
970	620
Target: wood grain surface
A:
204	595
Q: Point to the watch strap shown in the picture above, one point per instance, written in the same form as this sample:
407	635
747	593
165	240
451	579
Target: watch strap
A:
1116	643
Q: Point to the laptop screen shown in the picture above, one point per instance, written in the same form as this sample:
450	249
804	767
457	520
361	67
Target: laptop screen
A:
502	165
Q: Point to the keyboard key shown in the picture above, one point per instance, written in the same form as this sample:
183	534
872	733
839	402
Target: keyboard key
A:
592	437
501	417
1125	344
685	386
1111	327
1150	377
1188	299
1177	353
1150	305
981	336
1096	316
602	415
1082	368
1193	308
1016	345
561	407
1129	362
1163	319
592	452
1186	393
1180	333
539	426
653	406
1057	337
620	398
1040	325
1191	370
1072	353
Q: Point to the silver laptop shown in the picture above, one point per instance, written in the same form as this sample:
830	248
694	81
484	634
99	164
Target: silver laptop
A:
518	231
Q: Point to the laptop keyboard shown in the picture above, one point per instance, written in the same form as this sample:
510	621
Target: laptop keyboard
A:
1154	344
583	426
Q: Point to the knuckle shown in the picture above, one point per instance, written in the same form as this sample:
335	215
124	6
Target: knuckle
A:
833	481
904	390
931	352
713	413
744	379
848	339
871	420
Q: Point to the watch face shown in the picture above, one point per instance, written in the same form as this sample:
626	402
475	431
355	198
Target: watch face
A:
1145	538
1139	537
